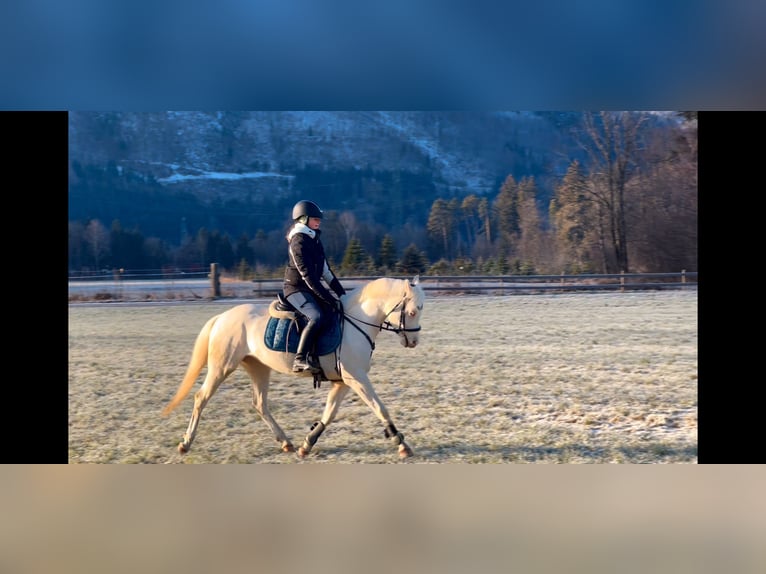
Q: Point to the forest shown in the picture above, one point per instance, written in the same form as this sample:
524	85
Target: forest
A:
630	205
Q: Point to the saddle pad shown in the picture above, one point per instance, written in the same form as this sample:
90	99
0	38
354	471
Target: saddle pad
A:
282	335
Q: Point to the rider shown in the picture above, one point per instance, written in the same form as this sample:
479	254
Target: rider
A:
302	286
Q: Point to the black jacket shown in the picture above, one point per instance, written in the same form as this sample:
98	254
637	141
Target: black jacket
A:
307	265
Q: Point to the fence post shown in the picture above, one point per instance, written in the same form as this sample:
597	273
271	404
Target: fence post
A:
683	275
622	281
118	273
215	280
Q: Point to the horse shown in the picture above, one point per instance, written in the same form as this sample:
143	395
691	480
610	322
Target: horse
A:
237	337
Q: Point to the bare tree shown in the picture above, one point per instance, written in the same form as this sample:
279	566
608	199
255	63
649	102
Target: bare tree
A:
612	142
97	239
663	214
349	224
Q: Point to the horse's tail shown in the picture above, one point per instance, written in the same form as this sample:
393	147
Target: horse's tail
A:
198	360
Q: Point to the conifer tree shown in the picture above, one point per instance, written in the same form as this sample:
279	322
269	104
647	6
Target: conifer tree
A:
439	227
354	259
387	253
531	243
243	251
98	243
572	218
470	221
412	261
486	223
505	209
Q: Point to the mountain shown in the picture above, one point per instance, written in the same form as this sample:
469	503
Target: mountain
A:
240	171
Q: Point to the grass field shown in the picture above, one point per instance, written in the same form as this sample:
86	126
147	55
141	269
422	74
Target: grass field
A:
558	378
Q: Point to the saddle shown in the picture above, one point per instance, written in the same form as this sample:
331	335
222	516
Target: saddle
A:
283	330
281	308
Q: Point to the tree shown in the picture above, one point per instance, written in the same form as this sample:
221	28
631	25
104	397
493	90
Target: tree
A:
97	241
612	140
484	238
453	207
77	245
663	212
348	223
470	221
243	251
572	217
505	209
224	252
127	247
156	252
440	228
337	230
387	253
413	261
263	249
354	259
531	242
243	270
203	246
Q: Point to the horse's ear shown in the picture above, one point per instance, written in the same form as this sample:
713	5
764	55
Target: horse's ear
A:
415	280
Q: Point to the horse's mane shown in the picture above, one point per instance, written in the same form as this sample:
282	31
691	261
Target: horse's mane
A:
382	287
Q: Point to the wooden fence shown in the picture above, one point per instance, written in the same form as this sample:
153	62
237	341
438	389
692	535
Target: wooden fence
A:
131	286
502	284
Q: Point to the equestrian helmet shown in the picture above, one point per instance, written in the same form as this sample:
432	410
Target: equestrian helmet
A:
308	208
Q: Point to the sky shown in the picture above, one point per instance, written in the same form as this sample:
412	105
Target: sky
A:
435	54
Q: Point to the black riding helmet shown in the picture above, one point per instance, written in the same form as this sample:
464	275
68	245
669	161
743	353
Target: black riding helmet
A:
308	208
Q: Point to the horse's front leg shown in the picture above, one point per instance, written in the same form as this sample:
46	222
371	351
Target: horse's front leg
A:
363	387
334	398
398	439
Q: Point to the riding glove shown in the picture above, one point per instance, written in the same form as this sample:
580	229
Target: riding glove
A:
337	287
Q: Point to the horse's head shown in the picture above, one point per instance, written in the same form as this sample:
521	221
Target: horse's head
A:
410	309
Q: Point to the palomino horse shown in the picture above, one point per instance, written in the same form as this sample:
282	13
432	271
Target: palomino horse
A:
238	337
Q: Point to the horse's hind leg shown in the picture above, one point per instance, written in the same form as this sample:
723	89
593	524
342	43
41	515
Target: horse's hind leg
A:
260	375
215	376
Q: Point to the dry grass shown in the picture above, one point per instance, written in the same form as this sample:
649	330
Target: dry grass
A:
564	378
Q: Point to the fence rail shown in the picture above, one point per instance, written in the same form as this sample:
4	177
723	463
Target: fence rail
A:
135	286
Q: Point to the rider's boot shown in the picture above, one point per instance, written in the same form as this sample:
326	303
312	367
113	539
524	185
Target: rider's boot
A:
303	360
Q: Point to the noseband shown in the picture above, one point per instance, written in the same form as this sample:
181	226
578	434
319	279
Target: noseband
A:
401	328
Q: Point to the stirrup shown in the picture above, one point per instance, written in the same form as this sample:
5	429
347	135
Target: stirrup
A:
313	362
306	364
300	365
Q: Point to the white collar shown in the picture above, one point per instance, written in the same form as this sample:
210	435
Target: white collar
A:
301	228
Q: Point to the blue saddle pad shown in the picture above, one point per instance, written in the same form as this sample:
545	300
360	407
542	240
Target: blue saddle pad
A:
283	335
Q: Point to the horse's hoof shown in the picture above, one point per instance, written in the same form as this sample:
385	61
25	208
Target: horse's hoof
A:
302	453
183	449
288	447
405	451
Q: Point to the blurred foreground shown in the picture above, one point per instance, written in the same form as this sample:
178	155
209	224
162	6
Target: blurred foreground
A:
376	519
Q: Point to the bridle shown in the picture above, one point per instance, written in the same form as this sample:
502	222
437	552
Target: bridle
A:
386	325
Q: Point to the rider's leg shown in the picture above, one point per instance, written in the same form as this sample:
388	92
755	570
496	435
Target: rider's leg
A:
302	360
306	305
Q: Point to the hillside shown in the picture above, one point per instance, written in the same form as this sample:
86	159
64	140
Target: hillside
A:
241	171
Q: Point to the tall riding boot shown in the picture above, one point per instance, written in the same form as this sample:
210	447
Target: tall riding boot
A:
301	362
